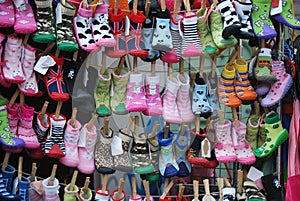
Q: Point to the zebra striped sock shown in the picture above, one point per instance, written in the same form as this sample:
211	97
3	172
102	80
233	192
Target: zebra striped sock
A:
40	127
176	38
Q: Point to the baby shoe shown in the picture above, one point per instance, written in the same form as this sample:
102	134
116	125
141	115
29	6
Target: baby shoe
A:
263	66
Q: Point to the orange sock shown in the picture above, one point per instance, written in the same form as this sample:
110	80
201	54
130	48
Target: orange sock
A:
243	88
123	5
226	91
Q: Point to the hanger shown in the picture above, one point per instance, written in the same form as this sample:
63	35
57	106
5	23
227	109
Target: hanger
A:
51	180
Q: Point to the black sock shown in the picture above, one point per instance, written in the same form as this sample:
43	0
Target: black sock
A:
272	187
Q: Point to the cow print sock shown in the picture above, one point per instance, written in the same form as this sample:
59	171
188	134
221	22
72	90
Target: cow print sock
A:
83	29
103	35
162	39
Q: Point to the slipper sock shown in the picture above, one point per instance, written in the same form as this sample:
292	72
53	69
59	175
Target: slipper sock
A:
71	69
176	37
286	17
272	187
162	38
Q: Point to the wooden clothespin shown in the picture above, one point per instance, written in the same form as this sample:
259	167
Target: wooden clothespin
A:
181	70
183	128
153	63
74	177
187	7
22	99
232	57
105	127
88	61
136	125
154	130
120	189
196	190
147	190
180	191
170	71
73	118
227	183
120	65
163	5
221	117
116	6
48	49
197	125
203	5
84	4
220	186
147	7
20	167
33	172
206	189
57	52
240	182
104	182
44	109
235	117
75	56
103	65
58	108
176	8
135	65
166	131
14	98
256	108
214	67
25	41
5	162
133	182
166	190
86	183
166	183
201	66
215	2
51	179
135	4
129	124
91	122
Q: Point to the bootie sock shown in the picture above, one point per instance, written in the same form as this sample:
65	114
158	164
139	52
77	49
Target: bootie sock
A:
25	130
231	23
201	100
54	81
12	69
226	91
263	67
170	108
122	161
241	146
183	100
23	186
286	16
252	131
86	150
191	44
29	87
243	88
102	195
280	87
8	18
45	22
83	29
104	37
71	137
212	81
181	145
41	127
13	117
118	100
136	46
4	194
55	146
153	98
8	139
253	192
261	23
272	187
102	94
103	159
25	21
66	40
7	176
228	193
70	194
276	135
216	28
85	194
208	44
3	82
243	10
168	166
135	95
224	149
140	155
262	131
51	192
162	38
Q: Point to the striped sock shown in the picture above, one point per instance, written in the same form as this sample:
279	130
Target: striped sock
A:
176	38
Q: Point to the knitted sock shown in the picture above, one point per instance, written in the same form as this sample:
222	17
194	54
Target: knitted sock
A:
70	194
261	23
228	193
243	10
191	44
135	43
4	194
41	126
162	38
23	186
45	22
102	34
64	30
7	176
272	187
286	17
253	192
71	69
181	145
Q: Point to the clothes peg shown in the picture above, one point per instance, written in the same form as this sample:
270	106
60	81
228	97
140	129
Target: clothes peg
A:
180	191
196	190
163	5
5	162
240	182
170	71
104	182
88	60
103	65
214	67
116	7
120	189
22	99
181	70
166	132
256	108
25	41
176	8
84	5
13	98
75	56
74	177
221	117
153	63
147	190
120	65
135	67
91	122
44	109
187	6
33	172
136	124
183	128
105	127
235	117
73	118
227	183
147	7
232	57
135	3
58	108
220	186
129	124
51	180
166	190
20	167
57	52
203	4
197	125
133	182
86	183
201	66
153	133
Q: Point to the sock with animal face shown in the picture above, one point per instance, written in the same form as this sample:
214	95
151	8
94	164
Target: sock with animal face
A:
83	29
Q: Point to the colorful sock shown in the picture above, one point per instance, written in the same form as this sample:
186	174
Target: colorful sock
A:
23	186
114	194
102	34
263	66
252	131
272	187
83	29
122	5
41	126
253	192
286	17
135	94
4	194
176	37
85	194
231	23
64	30
208	44
135	43
243	10
45	22
216	28
162	38
24	18
71	69
191	44
153	97
70	194
7	176
261	23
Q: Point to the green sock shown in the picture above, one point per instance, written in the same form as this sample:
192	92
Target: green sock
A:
286	16
5	133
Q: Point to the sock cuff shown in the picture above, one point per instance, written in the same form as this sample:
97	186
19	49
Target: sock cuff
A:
137	198
106	138
43	4
152	79
165	142
223	4
116	18
44	123
102	9
73	130
163	15
68	10
272	117
102	196
139	17
173	86
190	19
85	12
136	78
125	137
241	65
58	60
226	73
115	192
